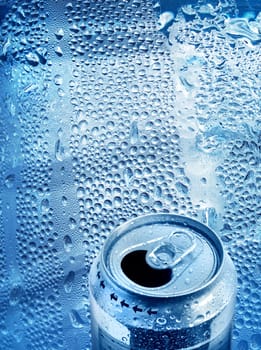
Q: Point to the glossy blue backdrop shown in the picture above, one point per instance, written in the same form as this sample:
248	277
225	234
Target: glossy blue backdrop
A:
109	110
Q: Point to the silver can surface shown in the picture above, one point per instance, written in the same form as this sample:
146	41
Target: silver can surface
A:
162	282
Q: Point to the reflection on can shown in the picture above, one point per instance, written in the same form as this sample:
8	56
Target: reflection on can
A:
162	282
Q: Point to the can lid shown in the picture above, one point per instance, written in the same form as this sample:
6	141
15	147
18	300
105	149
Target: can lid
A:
163	255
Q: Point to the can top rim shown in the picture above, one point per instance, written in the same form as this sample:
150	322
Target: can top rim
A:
110	258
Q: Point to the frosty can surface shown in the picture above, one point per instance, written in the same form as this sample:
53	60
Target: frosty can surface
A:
162	282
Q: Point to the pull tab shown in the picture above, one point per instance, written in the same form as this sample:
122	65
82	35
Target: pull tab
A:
172	250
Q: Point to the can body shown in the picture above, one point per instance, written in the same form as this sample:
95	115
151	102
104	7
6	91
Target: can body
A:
162	282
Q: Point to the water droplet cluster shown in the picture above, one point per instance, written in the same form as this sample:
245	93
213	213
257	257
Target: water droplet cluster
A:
232	134
239	176
107	28
106	105
125	162
31	312
24	34
240	188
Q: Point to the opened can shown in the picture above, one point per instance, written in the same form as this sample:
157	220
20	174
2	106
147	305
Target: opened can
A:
162	281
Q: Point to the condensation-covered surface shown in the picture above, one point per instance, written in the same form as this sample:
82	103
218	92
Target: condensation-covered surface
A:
113	109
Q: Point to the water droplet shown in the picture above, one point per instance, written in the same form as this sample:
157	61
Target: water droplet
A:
9	181
161	321
84	140
6	46
59	34
241	28
83	126
242	345
64	201
134	133
58	51
45	206
42	55
59	151
128	174
144	197
58	80
188	10
165	19
60	92
187	281
256	341
182	188
32	59
68	282
207	334
76	319
67	241
117	202
72	223
80	192
15	295
198	320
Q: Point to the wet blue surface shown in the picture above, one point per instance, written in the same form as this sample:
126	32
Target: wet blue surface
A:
110	110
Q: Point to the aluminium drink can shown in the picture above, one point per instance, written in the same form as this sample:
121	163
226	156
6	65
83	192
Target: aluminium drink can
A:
162	281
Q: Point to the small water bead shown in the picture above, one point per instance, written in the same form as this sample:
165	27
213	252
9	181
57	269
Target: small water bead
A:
64	201
161	321
58	80
198	320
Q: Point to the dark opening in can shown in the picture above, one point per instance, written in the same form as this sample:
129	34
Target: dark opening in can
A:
136	268
162	282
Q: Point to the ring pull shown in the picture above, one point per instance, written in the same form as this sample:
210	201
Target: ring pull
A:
172	250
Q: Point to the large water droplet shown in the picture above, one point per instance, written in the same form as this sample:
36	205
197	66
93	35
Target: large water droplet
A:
67	241
59	34
128	174
45	206
15	295
165	19
10	180
72	223
59	151
68	282
32	59
134	133
58	80
76	319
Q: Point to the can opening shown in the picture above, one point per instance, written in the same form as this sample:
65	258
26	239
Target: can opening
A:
136	268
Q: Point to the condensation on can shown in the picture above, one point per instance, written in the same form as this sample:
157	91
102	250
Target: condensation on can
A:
162	281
